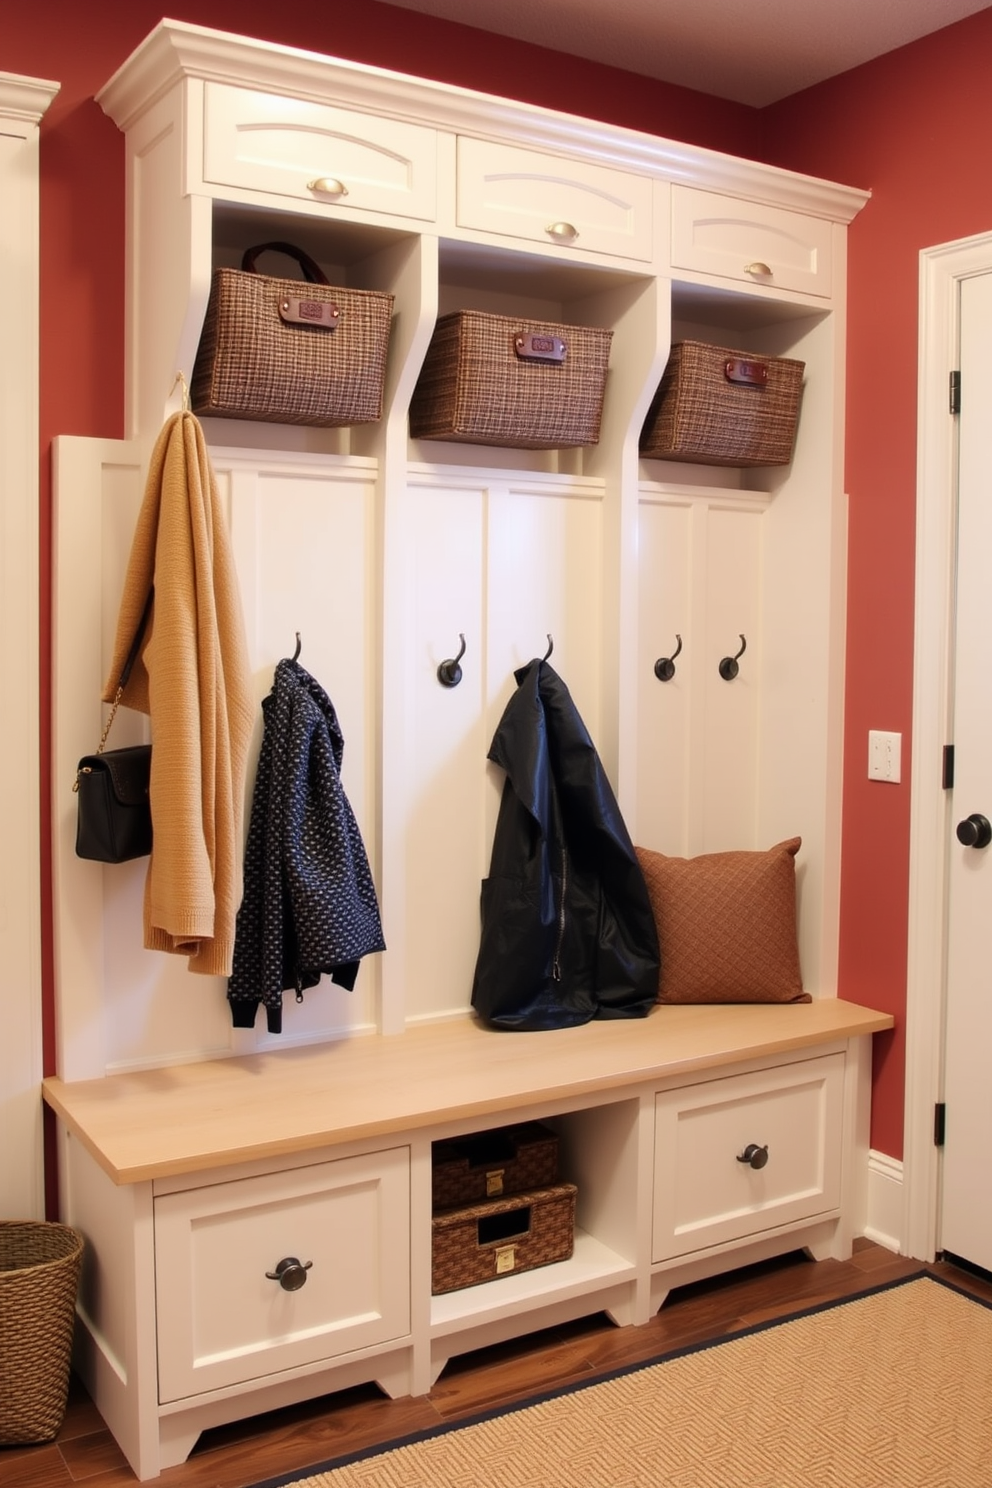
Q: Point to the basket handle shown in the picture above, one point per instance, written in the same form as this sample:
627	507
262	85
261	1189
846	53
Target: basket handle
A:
312	271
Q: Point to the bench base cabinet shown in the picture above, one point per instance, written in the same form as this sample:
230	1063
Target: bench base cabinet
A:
223	1280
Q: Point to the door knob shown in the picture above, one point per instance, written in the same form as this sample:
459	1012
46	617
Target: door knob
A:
975	830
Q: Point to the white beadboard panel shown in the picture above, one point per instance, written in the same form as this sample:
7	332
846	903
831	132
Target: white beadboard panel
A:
506	562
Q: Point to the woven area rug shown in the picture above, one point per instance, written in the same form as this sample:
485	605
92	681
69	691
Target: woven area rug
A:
892	1389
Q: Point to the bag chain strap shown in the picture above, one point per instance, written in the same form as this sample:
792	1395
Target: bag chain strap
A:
125	674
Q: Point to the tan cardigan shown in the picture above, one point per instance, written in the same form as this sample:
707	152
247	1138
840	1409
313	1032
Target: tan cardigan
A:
193	680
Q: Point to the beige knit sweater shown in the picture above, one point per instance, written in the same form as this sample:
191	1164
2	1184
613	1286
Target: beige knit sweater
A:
193	680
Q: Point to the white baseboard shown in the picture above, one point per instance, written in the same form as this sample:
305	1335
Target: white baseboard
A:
884	1221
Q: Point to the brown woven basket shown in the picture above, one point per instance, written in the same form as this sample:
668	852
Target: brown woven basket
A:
718	406
522	384
39	1279
252	363
485	1241
488	1165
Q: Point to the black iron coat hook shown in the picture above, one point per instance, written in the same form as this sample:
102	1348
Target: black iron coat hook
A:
449	673
729	667
664	667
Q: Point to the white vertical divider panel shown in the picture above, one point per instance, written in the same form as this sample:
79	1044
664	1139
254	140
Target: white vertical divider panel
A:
731	586
23	102
303	530
664	590
97	492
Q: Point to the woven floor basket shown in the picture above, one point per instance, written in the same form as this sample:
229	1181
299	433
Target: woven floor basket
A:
703	417
498	1238
475	387
39	1278
251	364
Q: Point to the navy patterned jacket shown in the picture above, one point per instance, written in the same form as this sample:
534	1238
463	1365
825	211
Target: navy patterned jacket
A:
309	902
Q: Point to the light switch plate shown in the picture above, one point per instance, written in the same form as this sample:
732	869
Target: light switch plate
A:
884	756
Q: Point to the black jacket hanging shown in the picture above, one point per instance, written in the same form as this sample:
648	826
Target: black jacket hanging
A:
309	902
568	934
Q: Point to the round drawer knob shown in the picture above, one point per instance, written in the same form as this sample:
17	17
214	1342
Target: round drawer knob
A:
562	232
290	1273
753	1155
328	186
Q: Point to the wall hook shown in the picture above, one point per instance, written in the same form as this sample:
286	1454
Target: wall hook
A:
664	667
551	647
299	647
449	673
729	667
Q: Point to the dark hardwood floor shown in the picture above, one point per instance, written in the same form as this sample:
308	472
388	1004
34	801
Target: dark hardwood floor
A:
301	1436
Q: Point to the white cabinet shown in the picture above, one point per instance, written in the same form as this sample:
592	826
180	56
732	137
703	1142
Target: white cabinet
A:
545	199
311	152
281	1270
750	242
743	1155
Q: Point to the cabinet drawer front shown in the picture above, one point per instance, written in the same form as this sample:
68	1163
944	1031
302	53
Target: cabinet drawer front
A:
524	194
705	1196
288	146
222	1320
739	240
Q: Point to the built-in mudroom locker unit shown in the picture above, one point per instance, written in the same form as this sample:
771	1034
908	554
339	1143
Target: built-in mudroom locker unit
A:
196	1156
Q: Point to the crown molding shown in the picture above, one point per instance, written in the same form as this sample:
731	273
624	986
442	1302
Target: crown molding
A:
175	50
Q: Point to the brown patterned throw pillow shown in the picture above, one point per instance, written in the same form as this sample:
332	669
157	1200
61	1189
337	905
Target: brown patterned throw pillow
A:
726	925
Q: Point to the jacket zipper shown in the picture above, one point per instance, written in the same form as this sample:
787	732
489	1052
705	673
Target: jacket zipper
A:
556	963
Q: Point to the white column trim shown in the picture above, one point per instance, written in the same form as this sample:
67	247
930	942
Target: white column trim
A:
941	271
23	101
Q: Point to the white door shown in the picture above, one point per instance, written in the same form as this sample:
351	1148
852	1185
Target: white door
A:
966	1202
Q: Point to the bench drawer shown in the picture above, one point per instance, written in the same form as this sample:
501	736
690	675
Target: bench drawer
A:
706	1195
224	1314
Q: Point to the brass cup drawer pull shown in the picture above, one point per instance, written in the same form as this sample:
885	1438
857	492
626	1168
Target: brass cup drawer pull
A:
758	270
328	186
562	232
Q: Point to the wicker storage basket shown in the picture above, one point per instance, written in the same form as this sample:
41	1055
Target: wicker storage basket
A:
491	1164
484	1241
522	384
717	406
288	352
39	1278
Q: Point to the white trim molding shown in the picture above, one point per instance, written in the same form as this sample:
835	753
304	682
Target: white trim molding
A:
941	272
23	101
884	1223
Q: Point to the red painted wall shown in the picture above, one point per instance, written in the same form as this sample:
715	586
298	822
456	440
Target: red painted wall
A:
914	127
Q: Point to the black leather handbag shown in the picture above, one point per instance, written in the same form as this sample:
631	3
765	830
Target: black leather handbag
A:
114	817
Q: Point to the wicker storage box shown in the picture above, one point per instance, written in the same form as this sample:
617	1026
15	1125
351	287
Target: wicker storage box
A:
491	1164
484	1241
291	352
717	406
523	384
39	1279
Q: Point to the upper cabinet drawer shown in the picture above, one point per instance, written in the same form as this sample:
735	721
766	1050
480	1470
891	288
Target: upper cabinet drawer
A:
312	152
548	199
753	244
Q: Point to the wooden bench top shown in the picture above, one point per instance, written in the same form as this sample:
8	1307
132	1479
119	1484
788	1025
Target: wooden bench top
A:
191	1117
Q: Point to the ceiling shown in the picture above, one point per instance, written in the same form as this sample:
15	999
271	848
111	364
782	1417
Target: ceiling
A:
752	51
